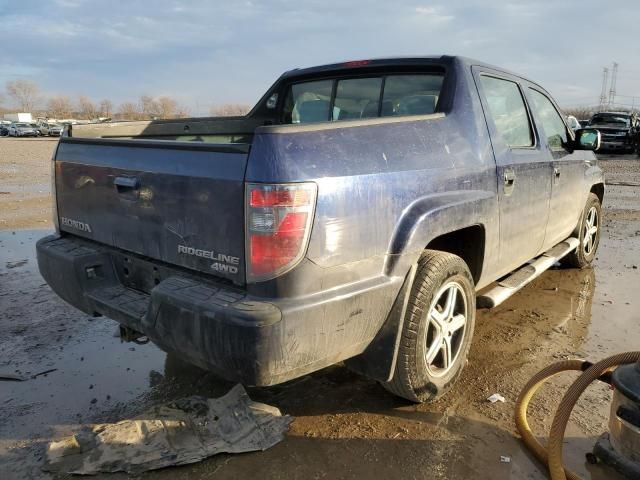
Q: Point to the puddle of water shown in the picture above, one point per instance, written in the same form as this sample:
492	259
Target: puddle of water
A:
19	245
89	361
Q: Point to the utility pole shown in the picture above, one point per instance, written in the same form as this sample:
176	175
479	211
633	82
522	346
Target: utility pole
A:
612	90
603	91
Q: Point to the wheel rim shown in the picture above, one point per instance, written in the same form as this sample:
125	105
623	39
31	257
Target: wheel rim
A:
446	328
590	234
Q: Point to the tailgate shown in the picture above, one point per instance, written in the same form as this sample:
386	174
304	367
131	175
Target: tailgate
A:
176	202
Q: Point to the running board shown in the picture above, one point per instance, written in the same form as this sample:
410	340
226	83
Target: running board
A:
518	279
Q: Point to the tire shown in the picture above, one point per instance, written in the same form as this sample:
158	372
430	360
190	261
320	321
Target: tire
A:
415	377
582	256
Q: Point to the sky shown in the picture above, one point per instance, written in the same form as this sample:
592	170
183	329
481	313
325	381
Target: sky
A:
206	53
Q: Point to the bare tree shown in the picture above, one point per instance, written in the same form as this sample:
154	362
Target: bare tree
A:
59	107
581	113
106	108
87	108
24	93
167	107
148	107
129	111
230	110
183	112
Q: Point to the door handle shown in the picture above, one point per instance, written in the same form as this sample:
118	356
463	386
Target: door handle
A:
509	178
124	184
556	172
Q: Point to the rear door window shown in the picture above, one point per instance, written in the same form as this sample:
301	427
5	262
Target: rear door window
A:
508	111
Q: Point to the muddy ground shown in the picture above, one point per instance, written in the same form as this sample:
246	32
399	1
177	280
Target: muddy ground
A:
345	426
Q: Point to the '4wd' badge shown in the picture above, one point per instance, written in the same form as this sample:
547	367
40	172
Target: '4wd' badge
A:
222	262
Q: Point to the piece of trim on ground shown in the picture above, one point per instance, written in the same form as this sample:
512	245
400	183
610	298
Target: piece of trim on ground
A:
180	432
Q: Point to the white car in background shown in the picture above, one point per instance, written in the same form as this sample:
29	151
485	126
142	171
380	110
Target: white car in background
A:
573	123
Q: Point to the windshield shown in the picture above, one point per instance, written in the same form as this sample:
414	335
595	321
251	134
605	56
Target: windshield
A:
23	125
602	119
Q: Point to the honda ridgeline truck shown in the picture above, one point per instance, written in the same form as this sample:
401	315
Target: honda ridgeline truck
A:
359	213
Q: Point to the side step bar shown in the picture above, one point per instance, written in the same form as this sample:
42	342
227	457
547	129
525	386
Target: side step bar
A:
518	279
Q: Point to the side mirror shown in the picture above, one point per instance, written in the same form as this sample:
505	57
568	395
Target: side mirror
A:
587	139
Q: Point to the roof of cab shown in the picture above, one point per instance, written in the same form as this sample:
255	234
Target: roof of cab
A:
394	61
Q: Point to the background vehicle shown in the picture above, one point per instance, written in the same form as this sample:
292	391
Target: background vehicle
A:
4	128
573	123
49	128
356	213
22	130
36	128
615	128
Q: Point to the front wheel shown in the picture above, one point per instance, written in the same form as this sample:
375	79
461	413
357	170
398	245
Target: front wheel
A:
589	235
437	329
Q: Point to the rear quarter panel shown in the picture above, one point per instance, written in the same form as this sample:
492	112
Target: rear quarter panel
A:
384	189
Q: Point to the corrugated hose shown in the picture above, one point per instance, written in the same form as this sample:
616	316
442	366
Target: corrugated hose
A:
552	456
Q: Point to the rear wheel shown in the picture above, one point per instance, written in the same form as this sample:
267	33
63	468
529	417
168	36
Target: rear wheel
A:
589	235
437	329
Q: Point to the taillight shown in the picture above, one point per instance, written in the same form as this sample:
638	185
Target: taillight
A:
278	227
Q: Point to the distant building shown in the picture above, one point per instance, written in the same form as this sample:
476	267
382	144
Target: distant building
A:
18	117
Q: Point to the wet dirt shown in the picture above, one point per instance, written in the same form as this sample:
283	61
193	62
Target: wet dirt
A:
25	182
345	426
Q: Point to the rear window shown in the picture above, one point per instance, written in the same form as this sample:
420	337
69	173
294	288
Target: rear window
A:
309	102
359	98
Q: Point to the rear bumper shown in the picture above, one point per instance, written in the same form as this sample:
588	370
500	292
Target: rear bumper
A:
216	326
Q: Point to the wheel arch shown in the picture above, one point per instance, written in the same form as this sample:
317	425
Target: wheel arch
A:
598	189
467	243
454	222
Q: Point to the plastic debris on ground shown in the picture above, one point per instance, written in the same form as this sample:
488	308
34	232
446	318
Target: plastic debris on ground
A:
496	397
505	459
180	432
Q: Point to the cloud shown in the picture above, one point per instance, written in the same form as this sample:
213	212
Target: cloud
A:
434	14
213	52
68	3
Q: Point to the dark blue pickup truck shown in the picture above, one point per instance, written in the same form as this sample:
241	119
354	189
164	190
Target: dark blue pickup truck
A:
359	213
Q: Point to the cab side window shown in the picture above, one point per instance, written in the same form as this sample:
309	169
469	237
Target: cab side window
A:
508	111
552	124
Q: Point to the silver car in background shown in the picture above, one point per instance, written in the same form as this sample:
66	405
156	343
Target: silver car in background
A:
21	129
